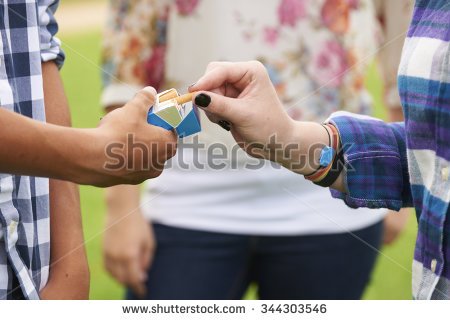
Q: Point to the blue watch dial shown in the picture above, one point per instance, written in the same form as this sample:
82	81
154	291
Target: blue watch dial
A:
326	156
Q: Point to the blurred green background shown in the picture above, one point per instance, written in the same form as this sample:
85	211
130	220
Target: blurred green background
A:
392	276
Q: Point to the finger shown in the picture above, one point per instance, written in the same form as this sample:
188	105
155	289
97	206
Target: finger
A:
140	290
212	117
136	277
238	74
211	66
116	270
147	256
215	64
144	99
219	107
162	146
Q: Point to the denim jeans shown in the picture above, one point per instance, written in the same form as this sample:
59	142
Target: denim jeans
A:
190	264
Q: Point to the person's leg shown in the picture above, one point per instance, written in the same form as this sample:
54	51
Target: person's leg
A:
319	267
200	265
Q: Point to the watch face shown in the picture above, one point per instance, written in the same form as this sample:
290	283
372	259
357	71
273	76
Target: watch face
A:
326	156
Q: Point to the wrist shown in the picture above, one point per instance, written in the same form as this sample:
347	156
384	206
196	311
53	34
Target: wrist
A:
122	200
302	147
87	156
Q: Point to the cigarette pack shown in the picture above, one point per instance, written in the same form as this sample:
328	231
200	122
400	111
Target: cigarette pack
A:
171	113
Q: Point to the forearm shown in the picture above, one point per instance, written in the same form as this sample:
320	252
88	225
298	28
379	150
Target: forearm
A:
69	271
122	201
33	148
374	172
302	147
367	143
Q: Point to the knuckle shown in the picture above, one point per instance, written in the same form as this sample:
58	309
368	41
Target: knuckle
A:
257	67
212	65
144	97
155	173
135	178
168	146
141	95
172	152
135	181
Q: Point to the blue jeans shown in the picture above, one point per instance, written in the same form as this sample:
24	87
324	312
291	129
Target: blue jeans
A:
201	265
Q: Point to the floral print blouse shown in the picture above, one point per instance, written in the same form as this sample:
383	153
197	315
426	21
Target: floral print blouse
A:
316	51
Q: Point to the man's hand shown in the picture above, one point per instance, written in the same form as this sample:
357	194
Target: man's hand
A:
124	149
129	243
133	150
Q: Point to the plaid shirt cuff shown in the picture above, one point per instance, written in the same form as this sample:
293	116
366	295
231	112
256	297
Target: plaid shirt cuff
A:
50	45
375	162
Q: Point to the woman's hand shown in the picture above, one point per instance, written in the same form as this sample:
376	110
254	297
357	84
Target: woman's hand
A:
129	243
243	95
241	98
129	246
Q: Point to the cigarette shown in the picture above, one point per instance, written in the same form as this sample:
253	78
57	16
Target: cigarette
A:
180	100
168	95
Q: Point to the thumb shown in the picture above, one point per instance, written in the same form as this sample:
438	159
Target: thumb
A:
220	107
144	99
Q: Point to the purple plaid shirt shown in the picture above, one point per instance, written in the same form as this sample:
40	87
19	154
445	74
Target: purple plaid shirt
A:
408	164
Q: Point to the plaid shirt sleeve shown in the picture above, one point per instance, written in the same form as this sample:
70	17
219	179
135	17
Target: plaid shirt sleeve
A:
375	161
48	27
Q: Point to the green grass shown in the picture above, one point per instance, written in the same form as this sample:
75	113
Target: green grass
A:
82	81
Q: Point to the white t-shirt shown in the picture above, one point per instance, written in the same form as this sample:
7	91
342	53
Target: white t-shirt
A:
317	57
266	201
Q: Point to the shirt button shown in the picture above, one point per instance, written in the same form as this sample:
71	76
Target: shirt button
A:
12	227
445	173
433	265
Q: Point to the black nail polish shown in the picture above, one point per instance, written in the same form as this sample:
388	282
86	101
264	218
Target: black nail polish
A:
225	125
202	100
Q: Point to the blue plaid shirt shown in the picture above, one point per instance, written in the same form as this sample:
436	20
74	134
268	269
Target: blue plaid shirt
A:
408	164
27	30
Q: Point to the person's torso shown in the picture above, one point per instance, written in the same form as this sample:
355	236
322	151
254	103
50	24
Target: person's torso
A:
316	54
424	83
24	201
